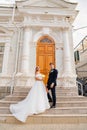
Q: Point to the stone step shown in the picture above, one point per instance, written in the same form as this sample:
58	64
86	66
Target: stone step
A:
57	93
7	103
70	98
14	98
54	111
50	125
49	91
19	94
72	104
45	119
4	110
58	104
27	90
18	98
57	87
22	87
60	89
67	110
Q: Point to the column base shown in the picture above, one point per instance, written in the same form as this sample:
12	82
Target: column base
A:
23	80
68	79
70	92
68	83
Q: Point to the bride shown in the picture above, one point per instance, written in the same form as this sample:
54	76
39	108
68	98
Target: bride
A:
35	102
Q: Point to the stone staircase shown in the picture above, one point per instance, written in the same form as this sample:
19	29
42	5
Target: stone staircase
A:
69	109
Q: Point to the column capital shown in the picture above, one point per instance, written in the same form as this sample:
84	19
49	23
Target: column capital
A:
26	27
65	29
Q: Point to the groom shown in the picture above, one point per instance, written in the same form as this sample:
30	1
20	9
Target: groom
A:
51	84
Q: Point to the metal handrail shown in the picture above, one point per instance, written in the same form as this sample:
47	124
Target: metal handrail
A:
7	89
17	54
15	71
80	42
9	83
78	83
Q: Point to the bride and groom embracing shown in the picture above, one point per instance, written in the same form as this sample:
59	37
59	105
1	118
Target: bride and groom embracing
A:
37	100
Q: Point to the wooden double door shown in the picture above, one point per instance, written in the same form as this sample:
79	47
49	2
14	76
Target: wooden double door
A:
45	55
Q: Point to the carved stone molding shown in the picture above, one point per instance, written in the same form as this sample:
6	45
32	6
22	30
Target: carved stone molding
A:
59	48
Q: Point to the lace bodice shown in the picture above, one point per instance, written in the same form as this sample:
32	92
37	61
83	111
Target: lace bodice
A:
39	76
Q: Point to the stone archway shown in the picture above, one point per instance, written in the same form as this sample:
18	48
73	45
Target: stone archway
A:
45	54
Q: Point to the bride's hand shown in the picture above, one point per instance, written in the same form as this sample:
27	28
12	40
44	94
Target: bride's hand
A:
40	79
43	76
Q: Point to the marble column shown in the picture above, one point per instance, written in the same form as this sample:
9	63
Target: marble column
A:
59	59
26	51
67	71
6	59
72	50
68	74
59	63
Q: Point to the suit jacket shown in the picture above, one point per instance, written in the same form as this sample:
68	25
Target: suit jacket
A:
52	77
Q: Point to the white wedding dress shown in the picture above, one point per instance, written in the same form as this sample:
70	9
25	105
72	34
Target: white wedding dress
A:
35	102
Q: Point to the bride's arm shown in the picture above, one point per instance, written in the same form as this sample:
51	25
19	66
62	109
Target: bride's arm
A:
38	79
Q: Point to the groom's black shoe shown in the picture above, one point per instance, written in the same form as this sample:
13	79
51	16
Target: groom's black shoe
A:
53	106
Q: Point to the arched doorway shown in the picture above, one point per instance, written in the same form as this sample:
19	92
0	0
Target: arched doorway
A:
45	54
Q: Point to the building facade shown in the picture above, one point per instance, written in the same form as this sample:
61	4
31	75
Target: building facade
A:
81	58
36	33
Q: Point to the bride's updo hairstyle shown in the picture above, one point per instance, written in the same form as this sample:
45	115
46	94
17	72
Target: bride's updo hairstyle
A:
37	69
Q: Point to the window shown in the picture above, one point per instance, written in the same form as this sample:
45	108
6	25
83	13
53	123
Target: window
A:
46	40
85	43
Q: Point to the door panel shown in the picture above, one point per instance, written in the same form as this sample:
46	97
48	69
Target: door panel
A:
45	55
50	49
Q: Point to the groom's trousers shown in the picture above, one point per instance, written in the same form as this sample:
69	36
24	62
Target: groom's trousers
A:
53	92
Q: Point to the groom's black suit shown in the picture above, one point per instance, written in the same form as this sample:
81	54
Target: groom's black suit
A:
52	79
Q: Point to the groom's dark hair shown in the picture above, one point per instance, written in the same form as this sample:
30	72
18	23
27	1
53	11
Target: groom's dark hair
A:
51	63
